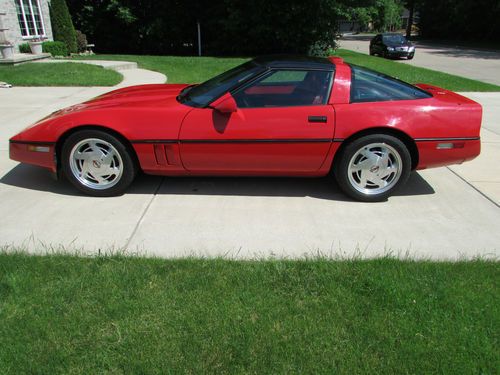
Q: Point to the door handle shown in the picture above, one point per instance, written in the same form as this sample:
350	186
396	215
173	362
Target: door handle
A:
317	119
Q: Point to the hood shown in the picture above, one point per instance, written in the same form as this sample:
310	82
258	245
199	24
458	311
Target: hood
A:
138	98
121	110
400	44
143	95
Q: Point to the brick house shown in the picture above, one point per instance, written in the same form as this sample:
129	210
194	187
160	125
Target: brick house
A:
22	20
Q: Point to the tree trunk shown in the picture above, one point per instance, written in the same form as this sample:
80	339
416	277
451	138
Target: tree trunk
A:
411	8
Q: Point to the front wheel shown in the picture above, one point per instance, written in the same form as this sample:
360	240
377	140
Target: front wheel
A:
410	56
371	168
97	163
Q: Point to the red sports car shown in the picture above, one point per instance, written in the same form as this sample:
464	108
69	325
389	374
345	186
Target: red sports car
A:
272	116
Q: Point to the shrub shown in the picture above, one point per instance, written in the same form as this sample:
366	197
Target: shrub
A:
81	41
55	48
24	48
322	49
62	26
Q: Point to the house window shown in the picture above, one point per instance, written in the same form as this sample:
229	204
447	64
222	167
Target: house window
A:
29	15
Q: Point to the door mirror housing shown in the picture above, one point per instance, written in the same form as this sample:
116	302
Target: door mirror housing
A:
225	104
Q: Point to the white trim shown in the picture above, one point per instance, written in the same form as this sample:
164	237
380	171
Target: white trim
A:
32	16
41	18
24	18
37	34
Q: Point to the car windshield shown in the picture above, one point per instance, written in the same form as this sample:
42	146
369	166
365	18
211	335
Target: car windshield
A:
394	39
203	94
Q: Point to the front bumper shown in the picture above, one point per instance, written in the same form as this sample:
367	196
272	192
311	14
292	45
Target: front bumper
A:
400	53
41	154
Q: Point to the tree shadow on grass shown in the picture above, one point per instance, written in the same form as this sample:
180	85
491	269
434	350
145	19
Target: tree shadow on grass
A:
33	178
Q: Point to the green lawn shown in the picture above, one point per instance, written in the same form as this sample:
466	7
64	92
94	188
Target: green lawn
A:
59	74
116	315
198	69
179	69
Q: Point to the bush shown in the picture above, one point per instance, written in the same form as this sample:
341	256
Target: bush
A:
322	49
55	48
62	26
24	48
81	41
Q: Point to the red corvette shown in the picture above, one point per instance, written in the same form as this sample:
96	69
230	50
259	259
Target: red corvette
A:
275	116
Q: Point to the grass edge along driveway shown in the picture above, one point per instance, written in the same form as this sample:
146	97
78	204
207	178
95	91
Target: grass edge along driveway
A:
182	69
115	314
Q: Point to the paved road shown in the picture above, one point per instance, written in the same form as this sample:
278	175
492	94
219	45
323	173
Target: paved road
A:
475	64
442	213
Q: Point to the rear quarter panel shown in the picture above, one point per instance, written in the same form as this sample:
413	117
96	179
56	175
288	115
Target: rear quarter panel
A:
422	118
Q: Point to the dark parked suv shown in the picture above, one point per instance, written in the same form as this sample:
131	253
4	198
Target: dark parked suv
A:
391	45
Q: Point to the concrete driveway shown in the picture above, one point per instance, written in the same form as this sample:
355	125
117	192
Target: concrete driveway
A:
471	63
446	213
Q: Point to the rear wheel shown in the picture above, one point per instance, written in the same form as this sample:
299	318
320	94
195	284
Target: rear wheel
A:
371	168
97	163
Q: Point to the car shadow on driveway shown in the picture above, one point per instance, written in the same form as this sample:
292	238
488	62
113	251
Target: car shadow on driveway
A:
34	178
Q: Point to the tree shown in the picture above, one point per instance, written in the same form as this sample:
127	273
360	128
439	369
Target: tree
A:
410	5
62	26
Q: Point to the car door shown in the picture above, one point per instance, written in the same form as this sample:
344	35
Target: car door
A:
282	125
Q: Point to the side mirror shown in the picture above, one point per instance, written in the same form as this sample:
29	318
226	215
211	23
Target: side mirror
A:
225	104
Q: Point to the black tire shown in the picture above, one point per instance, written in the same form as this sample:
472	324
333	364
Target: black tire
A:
114	155
371	52
411	56
356	183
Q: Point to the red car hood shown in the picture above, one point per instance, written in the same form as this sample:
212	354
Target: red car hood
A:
143	95
137	101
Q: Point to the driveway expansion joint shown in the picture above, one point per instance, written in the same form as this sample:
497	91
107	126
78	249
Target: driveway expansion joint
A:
146	209
472	186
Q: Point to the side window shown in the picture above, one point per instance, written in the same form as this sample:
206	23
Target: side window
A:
286	88
370	86
285	76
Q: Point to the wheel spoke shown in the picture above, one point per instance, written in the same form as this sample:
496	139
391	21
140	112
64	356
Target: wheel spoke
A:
363	178
96	150
384	160
378	181
84	155
85	170
371	156
388	171
108	158
364	165
106	170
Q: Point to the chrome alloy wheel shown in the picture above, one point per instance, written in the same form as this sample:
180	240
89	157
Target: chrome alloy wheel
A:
375	168
96	163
